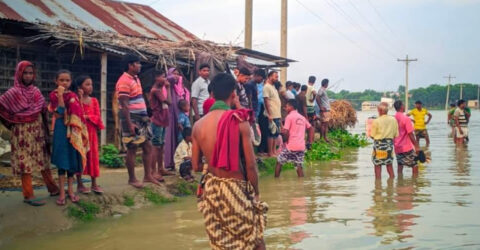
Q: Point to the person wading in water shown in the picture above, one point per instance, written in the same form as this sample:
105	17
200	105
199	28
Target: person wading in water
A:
228	193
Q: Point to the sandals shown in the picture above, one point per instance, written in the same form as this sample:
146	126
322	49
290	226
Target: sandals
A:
97	190
60	202
36	202
83	190
74	198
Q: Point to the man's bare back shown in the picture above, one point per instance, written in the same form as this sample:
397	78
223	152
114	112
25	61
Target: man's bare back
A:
204	138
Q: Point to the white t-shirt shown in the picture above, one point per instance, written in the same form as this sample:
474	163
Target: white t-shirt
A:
289	95
200	91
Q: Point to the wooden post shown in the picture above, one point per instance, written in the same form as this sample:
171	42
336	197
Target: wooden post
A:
248	23
103	98
283	40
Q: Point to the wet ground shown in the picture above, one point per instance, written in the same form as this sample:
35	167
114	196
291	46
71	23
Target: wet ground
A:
339	205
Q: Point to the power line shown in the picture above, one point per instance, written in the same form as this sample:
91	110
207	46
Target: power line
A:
336	30
385	23
370	24
350	20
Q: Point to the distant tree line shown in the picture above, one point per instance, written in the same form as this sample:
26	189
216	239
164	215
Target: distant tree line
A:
433	96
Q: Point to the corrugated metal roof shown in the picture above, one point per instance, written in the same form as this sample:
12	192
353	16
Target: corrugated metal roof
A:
104	15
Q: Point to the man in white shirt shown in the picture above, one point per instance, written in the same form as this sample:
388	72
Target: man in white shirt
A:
200	90
311	98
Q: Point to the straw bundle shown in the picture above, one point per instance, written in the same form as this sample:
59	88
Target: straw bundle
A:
342	115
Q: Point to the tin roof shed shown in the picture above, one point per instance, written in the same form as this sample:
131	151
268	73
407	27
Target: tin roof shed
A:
104	15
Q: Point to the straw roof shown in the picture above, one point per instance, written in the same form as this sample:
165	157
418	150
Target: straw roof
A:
158	51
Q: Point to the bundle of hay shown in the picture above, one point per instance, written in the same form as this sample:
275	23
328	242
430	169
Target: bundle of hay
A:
342	114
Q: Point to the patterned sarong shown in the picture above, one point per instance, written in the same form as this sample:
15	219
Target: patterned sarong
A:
233	219
382	152
407	159
295	157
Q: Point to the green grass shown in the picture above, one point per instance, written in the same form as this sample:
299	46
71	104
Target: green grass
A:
339	139
185	188
156	198
128	201
110	157
83	211
267	166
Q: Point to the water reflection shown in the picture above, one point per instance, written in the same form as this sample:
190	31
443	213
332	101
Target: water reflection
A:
461	171
392	207
298	217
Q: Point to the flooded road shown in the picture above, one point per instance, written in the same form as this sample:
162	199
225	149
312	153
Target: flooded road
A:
339	205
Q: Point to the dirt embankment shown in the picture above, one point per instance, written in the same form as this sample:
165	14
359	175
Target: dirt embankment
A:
18	218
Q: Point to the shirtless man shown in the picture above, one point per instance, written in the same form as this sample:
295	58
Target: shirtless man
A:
246	212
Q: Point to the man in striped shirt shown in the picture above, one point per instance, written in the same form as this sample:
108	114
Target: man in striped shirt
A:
134	120
461	122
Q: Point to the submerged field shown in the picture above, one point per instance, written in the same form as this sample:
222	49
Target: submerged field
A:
338	205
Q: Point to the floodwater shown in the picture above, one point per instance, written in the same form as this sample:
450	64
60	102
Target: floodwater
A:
339	205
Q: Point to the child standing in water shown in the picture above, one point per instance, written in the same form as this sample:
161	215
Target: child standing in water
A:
83	85
70	137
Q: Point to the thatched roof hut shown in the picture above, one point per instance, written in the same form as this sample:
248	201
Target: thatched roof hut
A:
91	36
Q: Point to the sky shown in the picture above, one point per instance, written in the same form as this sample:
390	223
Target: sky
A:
354	43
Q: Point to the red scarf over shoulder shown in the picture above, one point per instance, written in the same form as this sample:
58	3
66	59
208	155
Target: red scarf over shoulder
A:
226	153
74	120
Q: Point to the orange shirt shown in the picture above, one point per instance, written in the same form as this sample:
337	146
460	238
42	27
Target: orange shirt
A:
131	86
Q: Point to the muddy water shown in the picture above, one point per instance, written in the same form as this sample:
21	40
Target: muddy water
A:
338	205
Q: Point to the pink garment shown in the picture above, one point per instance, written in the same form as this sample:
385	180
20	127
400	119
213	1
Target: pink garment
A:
177	85
402	141
296	124
21	104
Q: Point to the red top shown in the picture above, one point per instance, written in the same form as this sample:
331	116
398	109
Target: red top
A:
159	107
94	123
227	147
207	104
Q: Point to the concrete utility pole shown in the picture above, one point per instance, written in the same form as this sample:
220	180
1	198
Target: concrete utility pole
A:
407	61
461	91
283	40
248	23
449	77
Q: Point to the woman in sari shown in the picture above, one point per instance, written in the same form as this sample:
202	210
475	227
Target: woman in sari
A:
178	92
23	111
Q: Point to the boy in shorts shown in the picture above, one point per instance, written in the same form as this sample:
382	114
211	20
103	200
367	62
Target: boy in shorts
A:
294	131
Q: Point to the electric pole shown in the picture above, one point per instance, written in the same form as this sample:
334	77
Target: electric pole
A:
461	91
407	61
248	23
283	40
449	77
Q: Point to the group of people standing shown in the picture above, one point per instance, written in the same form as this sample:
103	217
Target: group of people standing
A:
75	122
402	134
230	115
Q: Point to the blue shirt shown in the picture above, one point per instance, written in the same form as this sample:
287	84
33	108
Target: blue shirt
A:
260	97
185	122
